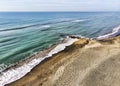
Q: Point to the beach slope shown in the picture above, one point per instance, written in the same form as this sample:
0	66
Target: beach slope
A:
84	63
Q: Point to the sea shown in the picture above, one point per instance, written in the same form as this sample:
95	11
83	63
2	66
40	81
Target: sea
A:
24	33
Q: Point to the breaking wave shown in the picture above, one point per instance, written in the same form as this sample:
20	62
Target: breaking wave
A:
115	32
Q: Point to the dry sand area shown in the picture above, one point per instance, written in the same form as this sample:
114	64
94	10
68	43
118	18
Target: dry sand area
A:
84	63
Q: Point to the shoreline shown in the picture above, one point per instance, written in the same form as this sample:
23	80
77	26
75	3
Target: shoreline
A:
29	63
42	73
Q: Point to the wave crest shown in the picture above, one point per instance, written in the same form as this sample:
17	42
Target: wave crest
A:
115	32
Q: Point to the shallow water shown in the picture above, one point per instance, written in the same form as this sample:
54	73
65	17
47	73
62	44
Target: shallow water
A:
22	34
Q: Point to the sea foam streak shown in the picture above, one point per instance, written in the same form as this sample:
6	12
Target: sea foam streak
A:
18	72
115	32
76	21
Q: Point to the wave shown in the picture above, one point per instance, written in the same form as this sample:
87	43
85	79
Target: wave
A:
27	26
115	32
5	23
17	28
17	72
78	20
44	25
45	28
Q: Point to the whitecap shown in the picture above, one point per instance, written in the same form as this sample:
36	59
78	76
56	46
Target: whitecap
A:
115	32
46	26
76	21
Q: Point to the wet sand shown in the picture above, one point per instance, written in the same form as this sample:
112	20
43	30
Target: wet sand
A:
84	63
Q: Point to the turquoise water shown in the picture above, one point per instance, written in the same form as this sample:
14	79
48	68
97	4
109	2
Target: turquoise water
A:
24	33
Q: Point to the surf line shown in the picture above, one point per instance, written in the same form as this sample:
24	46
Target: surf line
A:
14	74
115	32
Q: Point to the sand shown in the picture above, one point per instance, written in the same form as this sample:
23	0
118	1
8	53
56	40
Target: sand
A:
84	63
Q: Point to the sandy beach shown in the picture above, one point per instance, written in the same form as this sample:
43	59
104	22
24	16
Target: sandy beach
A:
84	63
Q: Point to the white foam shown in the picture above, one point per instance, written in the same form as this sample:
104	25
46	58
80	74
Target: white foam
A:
46	26
17	73
76	21
115	32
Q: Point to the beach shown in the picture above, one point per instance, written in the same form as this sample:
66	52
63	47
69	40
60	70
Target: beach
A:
84	63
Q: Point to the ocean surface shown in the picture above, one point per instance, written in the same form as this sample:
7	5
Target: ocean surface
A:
25	33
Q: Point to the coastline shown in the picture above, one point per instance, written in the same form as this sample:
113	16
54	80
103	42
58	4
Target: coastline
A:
84	58
21	68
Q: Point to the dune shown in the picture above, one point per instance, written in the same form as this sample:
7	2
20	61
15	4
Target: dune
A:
84	63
